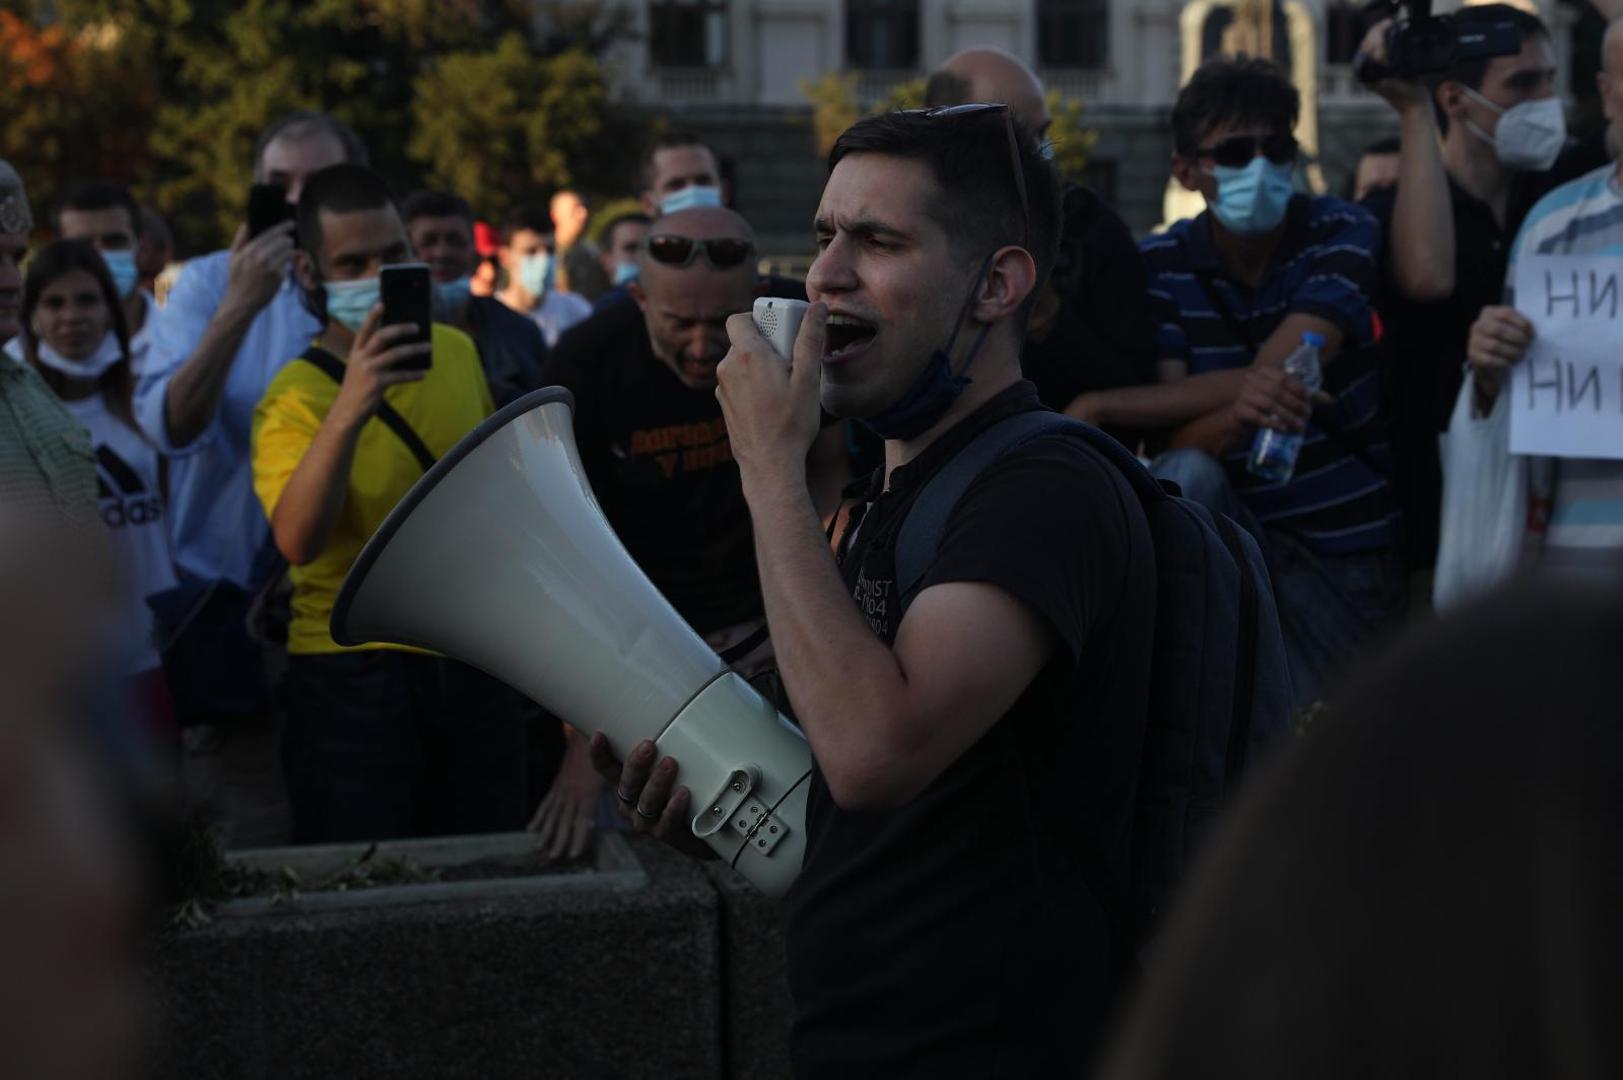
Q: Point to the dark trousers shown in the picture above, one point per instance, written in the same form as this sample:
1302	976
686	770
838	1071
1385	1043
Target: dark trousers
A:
383	744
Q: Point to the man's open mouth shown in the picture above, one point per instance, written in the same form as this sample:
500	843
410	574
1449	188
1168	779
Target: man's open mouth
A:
846	334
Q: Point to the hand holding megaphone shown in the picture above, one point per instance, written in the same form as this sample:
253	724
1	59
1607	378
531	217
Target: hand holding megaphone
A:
773	412
501	557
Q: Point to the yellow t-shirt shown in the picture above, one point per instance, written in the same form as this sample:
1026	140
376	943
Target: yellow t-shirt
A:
444	406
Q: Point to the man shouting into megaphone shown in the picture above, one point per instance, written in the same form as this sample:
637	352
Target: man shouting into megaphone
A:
975	727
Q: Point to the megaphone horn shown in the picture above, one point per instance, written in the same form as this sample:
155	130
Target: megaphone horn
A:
501	557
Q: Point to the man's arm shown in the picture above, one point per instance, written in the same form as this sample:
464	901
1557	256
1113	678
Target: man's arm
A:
882	722
1265	395
1421	231
257	269
303	516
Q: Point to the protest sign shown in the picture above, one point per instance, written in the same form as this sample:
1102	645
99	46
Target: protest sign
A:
1566	396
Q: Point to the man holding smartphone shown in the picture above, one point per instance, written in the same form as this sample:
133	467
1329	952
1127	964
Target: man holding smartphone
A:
232	319
380	741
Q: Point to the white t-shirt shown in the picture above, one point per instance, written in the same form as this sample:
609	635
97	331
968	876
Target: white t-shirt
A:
132	508
557	312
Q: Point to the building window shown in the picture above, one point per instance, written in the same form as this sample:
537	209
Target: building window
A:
1343	32
882	34
687	33
1073	34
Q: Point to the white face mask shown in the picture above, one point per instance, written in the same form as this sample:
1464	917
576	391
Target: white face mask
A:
93	366
1529	136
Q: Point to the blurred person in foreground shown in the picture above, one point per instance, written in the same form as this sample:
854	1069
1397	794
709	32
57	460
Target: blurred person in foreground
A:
1091	328
1428	883
381	741
528	255
511	347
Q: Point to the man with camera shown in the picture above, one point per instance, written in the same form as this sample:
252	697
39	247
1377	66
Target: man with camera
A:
1483	137
381	741
975	740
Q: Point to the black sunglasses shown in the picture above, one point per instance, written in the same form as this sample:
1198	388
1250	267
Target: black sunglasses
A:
721	251
975	108
1237	151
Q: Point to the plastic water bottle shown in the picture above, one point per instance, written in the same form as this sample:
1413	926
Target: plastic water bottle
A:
1273	453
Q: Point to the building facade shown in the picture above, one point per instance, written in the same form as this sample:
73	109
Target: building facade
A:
735	70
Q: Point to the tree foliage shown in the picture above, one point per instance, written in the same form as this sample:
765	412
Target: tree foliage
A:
492	98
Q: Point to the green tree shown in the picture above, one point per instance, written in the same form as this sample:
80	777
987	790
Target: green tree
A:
174	92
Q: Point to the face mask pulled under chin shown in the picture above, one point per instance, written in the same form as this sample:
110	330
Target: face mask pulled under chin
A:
935	390
1529	137
689	197
94	366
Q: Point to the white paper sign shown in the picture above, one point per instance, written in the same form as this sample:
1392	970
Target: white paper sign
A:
1566	396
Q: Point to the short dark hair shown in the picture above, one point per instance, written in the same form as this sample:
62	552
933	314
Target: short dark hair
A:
102	195
53	261
1378	148
304	123
435	204
670	140
945	88
968	155
1228	90
1472	72
339	189
636	217
531	216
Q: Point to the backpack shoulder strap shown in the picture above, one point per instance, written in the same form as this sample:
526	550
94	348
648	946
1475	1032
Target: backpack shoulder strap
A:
330	366
926	522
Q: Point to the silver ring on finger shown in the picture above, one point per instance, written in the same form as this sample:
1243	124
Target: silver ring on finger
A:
623	797
645	815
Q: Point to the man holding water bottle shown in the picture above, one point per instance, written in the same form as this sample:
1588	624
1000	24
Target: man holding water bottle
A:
1269	378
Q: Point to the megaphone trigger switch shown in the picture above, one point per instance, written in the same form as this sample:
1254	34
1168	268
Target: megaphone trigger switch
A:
735	806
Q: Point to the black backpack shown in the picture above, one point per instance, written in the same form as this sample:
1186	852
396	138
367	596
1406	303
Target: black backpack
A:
1220	688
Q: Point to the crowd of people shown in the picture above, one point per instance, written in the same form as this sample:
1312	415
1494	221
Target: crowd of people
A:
978	728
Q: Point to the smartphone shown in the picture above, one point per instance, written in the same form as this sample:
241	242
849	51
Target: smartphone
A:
779	320
267	207
408	297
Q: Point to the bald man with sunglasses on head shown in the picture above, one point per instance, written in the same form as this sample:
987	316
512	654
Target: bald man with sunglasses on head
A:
650	429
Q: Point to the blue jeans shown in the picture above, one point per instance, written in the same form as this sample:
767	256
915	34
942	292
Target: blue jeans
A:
1330	606
382	744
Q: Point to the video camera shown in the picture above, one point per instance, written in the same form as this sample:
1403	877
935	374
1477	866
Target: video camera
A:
1420	43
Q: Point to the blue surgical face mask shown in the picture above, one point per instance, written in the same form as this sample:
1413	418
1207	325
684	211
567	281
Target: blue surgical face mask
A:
454	294
1253	199
625	273
689	197
350	302
535	272
933	392
121	264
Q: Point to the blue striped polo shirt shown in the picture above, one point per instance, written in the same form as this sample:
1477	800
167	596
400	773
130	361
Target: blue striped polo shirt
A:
1339	500
1585	530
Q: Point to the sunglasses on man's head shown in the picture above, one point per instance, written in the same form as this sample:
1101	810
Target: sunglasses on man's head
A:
721	251
1237	151
974	108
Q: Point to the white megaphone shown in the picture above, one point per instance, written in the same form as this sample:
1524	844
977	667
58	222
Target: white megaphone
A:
501	557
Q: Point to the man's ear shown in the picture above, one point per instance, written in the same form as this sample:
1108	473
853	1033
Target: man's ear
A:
1010	278
1187	172
634	287
304	270
650	203
1450	97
